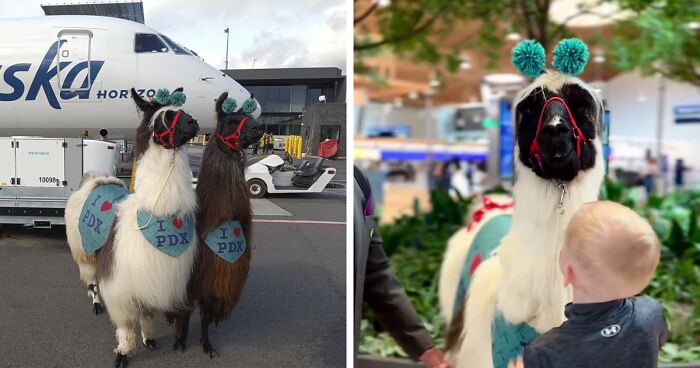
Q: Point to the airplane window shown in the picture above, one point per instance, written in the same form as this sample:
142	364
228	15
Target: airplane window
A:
148	42
176	47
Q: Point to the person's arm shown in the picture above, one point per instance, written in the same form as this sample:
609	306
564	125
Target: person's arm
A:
385	295
387	298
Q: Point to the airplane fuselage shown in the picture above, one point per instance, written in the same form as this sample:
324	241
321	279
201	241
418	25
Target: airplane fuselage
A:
63	74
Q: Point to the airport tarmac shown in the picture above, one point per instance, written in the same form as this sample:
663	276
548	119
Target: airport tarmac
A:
292	313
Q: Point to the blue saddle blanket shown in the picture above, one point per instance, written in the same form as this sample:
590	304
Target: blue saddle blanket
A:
509	340
171	235
97	216
485	242
227	241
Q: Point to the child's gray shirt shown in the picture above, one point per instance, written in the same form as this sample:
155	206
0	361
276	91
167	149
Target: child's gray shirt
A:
624	333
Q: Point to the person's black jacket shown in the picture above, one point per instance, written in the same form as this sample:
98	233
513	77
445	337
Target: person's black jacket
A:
376	283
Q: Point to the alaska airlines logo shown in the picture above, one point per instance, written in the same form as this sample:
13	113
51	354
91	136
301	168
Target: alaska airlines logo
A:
46	73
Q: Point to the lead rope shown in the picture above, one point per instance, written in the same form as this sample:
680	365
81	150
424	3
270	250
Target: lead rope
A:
564	190
148	223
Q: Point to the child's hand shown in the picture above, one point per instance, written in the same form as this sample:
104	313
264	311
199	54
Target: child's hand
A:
433	358
517	363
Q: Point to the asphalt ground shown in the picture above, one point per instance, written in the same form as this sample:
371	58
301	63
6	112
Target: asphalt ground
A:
292	313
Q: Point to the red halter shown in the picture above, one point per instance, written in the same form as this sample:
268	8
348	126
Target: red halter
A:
170	132
535	149
235	137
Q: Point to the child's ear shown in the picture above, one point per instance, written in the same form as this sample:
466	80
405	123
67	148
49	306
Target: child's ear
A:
569	275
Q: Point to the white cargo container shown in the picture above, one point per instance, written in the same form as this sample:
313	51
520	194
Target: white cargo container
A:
37	175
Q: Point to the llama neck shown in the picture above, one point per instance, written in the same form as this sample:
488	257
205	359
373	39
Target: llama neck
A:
536	209
222	189
152	169
532	285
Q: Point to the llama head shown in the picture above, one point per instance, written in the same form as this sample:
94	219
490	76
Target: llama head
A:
234	125
163	121
557	117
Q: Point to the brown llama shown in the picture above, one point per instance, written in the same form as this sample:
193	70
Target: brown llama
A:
223	261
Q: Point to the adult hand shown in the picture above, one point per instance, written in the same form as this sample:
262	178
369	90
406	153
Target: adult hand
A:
434	358
517	363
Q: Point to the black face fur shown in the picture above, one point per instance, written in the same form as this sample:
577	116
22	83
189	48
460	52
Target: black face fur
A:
557	142
227	124
185	129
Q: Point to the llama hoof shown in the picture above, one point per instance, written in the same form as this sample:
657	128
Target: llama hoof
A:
209	349
121	361
150	344
97	308
179	344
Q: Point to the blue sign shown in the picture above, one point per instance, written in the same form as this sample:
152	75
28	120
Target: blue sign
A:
171	235
97	216
507	140
387	155
394	130
41	82
227	241
687	114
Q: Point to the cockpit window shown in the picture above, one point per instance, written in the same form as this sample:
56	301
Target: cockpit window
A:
176	47
148	43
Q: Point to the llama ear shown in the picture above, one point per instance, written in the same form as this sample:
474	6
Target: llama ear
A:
142	104
570	56
219	103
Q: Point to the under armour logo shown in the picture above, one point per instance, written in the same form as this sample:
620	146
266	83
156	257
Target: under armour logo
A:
610	331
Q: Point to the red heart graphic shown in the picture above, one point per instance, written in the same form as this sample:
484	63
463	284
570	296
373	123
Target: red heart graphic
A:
475	264
106	206
237	232
177	222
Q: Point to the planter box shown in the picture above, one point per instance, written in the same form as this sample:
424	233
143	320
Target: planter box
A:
378	362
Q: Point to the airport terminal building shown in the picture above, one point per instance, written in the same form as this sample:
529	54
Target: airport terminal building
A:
285	95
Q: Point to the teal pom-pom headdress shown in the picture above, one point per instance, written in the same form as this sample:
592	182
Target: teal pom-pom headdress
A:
249	106
178	99
570	56
529	57
229	105
163	96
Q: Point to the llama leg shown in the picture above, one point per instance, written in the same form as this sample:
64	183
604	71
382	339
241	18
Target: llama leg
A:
148	330
205	312
182	326
126	338
94	293
88	275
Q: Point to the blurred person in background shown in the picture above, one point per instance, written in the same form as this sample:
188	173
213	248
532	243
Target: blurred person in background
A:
478	177
377	285
649	173
256	146
271	143
266	142
679	173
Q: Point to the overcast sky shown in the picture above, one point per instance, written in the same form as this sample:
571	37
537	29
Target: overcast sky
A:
276	33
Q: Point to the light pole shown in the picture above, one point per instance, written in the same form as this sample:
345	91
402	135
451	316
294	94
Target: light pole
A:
226	30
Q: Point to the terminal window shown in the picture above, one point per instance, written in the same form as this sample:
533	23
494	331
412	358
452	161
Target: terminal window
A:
147	43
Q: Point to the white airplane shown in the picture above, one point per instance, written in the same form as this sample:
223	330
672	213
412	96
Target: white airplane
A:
63	74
